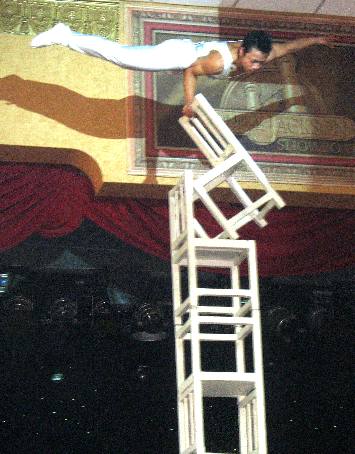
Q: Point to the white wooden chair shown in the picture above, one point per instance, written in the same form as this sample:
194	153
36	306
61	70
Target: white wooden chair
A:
185	195
218	144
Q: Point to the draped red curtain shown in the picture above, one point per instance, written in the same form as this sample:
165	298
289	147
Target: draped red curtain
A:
52	201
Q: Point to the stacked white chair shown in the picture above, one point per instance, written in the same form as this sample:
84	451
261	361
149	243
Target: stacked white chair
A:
219	145
214	315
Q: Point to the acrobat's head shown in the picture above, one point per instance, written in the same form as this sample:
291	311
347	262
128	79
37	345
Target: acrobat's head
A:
254	51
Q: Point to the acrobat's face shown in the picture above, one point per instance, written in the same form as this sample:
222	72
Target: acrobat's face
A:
253	60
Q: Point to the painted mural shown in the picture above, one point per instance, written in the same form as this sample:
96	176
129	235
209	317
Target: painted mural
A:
295	116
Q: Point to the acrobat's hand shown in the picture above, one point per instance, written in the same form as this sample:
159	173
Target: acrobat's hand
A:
187	110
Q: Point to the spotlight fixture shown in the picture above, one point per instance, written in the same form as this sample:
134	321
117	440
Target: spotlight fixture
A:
148	323
57	377
63	310
283	324
102	308
321	314
20	303
4	282
17	310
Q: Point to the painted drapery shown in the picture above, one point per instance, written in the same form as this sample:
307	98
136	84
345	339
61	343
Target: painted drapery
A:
53	201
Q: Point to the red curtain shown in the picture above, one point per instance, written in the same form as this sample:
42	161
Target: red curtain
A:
53	201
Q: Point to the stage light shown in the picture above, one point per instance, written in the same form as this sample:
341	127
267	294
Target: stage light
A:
104	317
283	324
319	319
320	314
63	310
148	323
21	303
102	308
4	282
57	377
17	306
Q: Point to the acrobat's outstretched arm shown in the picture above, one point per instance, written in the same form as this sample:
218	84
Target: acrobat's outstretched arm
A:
280	49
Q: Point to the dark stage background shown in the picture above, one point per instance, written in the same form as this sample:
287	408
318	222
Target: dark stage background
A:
115	392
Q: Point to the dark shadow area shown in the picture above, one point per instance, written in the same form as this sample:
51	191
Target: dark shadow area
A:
107	118
172	135
102	118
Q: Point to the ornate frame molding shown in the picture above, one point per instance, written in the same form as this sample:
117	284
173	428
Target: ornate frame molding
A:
302	167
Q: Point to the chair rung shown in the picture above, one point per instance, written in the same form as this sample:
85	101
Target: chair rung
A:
185	306
221	310
244	332
178	240
178	254
215	337
215	320
183	330
247	399
185	387
229	292
235	311
252	208
244	310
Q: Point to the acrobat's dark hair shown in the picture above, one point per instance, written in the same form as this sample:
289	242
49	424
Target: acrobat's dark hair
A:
259	40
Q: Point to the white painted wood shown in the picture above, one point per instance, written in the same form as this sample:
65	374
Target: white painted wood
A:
227	384
227	156
199	384
205	307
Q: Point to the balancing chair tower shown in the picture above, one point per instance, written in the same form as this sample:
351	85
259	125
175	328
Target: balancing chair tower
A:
228	314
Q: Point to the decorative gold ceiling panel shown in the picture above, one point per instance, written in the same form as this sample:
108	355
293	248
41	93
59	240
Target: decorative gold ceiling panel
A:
29	17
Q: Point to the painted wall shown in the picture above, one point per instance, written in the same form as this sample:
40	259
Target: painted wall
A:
61	107
64	108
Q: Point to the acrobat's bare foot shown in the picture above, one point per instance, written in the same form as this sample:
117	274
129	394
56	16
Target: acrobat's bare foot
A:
58	34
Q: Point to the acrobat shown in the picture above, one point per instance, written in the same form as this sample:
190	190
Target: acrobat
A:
218	59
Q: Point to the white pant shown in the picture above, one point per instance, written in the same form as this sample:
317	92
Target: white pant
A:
172	54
